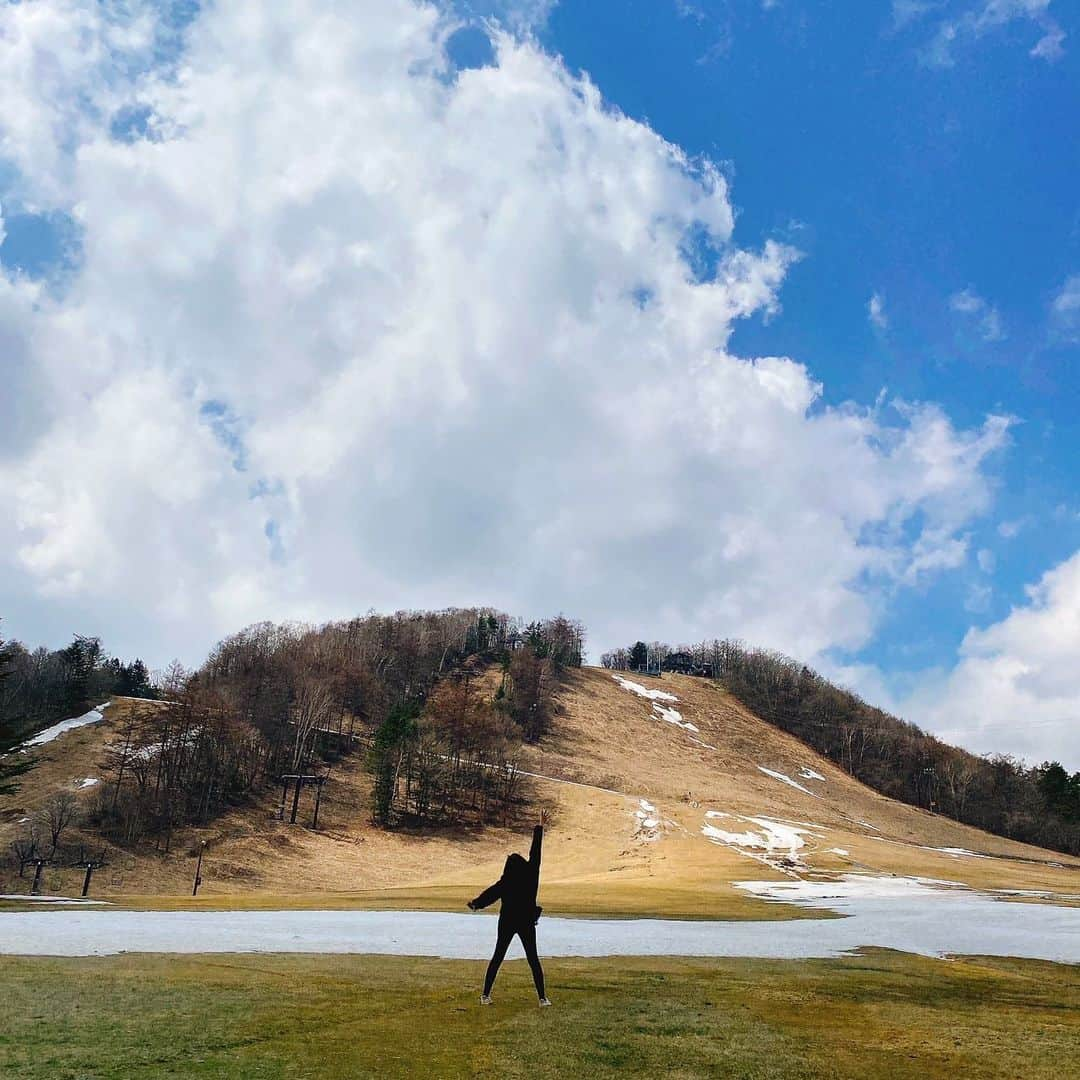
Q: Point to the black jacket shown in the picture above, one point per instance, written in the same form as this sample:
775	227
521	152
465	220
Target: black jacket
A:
517	886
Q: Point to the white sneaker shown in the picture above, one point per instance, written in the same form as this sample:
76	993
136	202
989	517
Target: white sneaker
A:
485	999
544	1002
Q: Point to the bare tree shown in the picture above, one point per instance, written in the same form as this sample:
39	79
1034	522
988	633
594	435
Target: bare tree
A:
60	811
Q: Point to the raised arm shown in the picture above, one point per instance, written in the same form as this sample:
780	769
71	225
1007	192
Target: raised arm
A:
537	843
488	896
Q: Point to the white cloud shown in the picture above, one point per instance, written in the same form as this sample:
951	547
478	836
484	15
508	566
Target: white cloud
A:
1008	530
516	15
986	560
350	332
1065	310
908	11
1017	685
965	23
984	317
66	65
875	310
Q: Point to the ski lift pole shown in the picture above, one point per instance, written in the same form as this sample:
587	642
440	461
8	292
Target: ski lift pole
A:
198	870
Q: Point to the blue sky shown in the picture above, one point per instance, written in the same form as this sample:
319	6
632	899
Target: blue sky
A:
912	180
316	308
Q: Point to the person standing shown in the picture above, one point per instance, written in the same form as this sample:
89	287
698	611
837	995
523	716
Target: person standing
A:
518	913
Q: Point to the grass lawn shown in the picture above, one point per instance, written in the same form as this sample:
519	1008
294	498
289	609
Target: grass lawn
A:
878	1015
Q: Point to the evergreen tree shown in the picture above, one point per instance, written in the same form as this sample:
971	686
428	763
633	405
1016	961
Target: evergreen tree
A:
81	660
11	765
393	733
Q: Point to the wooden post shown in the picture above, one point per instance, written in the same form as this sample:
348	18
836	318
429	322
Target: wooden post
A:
296	798
198	870
86	880
39	865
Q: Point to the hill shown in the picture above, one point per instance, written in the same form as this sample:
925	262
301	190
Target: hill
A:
663	792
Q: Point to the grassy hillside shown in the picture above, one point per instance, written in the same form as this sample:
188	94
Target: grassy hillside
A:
657	806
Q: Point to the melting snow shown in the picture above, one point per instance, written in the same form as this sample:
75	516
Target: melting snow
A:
784	779
809	774
850	886
921	920
648	821
660	712
958	852
774	837
641	691
838	851
55	900
672	716
89	781
94	716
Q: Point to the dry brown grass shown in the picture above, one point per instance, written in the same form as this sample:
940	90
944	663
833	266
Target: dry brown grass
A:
605	752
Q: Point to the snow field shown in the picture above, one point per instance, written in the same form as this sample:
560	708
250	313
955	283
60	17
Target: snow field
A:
904	914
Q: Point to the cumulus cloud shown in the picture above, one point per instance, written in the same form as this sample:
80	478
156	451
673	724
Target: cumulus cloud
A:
1017	685
66	64
351	329
979	314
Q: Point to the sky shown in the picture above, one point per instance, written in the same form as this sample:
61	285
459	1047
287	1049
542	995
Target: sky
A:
687	318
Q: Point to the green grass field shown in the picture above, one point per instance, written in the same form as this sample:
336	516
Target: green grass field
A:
878	1015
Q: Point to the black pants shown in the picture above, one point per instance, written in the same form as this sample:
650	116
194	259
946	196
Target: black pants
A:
527	933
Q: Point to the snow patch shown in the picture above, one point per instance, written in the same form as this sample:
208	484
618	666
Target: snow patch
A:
850	886
648	820
661	712
673	716
785	779
809	774
94	716
89	781
838	851
959	852
64	901
779	842
642	691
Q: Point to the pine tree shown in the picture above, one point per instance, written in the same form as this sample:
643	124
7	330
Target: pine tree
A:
11	765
